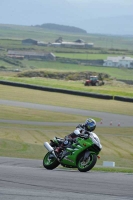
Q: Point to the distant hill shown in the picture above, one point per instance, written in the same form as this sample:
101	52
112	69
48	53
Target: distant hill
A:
63	28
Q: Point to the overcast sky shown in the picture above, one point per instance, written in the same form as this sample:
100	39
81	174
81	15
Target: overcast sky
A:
91	15
104	1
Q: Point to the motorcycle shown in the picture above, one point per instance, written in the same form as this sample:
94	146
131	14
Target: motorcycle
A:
81	153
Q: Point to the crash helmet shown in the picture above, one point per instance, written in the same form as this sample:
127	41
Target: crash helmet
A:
90	125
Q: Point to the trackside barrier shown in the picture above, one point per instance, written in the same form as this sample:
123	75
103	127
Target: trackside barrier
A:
126	99
35	87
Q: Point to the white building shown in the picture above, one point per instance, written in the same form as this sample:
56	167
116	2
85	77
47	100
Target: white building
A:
72	44
120	61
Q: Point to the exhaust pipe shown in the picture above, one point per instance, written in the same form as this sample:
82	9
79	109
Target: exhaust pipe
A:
50	149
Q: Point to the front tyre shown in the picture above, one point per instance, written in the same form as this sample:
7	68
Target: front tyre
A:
88	164
50	162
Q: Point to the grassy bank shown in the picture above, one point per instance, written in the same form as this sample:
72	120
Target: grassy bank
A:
111	87
26	141
87	56
14	113
71	101
118	73
40	34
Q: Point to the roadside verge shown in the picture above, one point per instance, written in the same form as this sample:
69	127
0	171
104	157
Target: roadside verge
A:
73	92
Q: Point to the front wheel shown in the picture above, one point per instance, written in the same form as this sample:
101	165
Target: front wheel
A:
88	164
50	162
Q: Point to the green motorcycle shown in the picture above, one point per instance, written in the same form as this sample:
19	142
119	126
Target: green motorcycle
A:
81	154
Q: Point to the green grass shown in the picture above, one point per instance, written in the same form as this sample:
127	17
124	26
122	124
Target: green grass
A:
10	148
7	65
26	141
87	56
14	113
111	88
104	41
125	74
58	99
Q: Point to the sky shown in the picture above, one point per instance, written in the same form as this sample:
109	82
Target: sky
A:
94	16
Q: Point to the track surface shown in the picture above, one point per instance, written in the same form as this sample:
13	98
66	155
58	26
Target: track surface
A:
22	179
107	118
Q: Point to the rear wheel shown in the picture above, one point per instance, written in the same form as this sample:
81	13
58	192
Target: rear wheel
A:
50	162
88	164
97	84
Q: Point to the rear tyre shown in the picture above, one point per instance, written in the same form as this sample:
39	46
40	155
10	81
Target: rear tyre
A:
50	162
88	164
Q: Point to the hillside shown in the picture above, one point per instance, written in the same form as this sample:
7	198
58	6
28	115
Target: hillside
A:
63	28
97	16
19	32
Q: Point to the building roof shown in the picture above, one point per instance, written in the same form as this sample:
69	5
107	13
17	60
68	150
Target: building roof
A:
89	43
29	39
126	58
55	43
29	53
41	42
59	40
119	58
73	43
80	41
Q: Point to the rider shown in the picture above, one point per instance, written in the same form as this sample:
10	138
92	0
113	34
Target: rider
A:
82	130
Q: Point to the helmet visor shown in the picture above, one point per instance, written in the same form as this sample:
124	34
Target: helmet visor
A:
90	125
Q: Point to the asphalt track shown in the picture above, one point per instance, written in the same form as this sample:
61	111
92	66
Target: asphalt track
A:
24	179
107	119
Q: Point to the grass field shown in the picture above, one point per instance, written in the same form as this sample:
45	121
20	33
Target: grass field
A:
58	99
125	74
110	88
104	41
87	56
27	140
13	113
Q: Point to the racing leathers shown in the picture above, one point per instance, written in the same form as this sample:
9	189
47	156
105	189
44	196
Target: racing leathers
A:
69	139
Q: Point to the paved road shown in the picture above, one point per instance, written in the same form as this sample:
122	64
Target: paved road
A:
22	179
106	118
